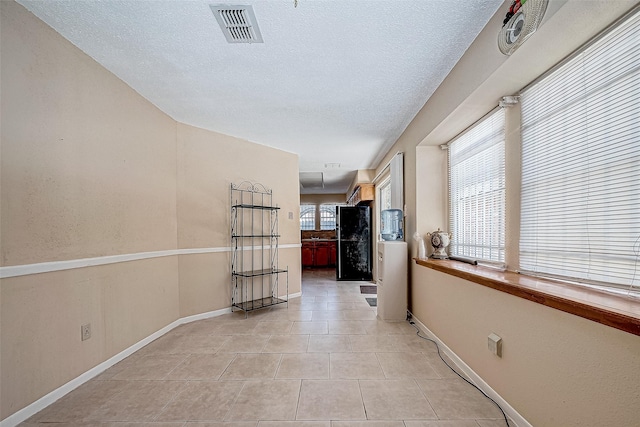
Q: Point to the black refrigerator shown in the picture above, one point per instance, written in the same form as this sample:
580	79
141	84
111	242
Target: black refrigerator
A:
353	230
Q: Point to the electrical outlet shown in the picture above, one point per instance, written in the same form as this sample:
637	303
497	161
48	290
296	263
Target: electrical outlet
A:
495	344
85	331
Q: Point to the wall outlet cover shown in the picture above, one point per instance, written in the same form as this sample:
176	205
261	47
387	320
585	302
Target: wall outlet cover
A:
495	344
85	331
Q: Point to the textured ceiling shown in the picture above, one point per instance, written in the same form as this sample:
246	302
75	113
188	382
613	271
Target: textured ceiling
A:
334	81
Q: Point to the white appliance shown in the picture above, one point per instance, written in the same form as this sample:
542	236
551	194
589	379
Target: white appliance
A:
392	280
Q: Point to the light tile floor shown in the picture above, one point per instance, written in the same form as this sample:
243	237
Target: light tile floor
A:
322	361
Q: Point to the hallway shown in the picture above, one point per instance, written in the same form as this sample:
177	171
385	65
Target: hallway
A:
323	361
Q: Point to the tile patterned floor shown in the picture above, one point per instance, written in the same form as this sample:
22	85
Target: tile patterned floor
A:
323	361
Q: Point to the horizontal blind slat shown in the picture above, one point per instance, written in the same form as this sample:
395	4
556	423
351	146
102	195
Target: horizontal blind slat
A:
580	191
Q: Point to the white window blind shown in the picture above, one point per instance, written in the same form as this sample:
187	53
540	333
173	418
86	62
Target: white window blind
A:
477	191
580	213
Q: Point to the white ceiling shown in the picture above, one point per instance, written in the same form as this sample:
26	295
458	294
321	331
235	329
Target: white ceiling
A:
335	81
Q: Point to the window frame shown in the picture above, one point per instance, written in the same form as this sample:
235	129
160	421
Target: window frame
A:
469	149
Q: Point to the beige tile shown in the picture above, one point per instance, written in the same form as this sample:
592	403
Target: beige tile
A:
381	327
201	367
439	366
494	423
201	327
238	327
377	343
355	366
367	424
313	306
366	314
152	367
334	305
326	315
415	343
406	365
330	400
206	344
293	314
442	423
395	400
287	344
269	327
221	424
166	344
252	366
294	424
137	401
119	367
346	327
454	398
315	328
80	403
328	322
202	400
304	366
329	343
244	344
116	424
184	344
407	328
266	400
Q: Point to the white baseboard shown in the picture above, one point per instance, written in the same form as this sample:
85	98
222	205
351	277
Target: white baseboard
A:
43	402
515	419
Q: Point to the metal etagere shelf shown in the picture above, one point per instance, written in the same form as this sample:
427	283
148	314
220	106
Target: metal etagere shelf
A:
255	275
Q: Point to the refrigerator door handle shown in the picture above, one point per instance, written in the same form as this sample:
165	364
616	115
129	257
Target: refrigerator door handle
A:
339	258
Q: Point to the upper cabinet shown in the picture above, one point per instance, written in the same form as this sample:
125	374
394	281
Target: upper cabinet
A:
362	194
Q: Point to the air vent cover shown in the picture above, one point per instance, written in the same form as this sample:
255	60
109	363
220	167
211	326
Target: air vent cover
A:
238	23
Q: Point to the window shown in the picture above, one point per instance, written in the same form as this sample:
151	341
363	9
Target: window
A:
385	195
477	191
307	217
580	209
327	217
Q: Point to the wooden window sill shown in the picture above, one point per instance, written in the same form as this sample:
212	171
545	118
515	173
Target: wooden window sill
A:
612	310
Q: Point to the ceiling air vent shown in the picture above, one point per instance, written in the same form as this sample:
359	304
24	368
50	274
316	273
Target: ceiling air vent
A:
238	23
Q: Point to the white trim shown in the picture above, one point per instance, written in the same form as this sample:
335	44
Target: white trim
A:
43	402
47	267
514	417
56	394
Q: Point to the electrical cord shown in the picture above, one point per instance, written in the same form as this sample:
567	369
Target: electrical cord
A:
411	322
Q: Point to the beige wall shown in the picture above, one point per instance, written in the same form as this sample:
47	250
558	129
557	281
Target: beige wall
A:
208	163
558	369
89	169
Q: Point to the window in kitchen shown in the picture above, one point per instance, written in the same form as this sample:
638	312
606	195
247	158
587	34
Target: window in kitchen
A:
327	217
580	213
307	217
477	190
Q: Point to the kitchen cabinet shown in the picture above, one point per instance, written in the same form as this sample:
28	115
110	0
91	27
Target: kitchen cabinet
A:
307	254
362	194
318	253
